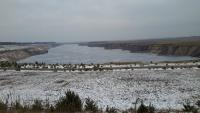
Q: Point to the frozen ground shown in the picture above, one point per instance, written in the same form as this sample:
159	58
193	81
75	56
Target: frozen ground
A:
12	47
163	88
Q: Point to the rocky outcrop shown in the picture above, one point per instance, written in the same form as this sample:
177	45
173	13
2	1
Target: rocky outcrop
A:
15	55
178	47
177	50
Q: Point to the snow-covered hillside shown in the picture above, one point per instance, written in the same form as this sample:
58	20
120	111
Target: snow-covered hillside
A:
162	88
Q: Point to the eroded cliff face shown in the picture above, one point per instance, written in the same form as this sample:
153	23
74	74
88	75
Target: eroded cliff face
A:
15	55
178	48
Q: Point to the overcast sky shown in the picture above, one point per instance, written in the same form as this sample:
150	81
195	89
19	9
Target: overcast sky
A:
89	20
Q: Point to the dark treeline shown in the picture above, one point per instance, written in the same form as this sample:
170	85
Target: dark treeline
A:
6	65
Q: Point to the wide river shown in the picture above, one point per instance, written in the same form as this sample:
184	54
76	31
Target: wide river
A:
73	53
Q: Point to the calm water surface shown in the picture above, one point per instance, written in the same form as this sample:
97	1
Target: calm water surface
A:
82	54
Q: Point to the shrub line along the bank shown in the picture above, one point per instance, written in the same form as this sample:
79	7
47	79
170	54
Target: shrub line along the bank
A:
96	67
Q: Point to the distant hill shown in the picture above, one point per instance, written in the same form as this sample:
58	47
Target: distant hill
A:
179	46
25	43
27	50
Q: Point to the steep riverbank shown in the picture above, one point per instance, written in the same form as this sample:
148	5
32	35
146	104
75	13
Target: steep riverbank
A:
186	46
18	54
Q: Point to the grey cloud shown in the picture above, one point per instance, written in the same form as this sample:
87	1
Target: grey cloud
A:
85	20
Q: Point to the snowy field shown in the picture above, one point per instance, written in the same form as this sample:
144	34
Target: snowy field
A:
12	47
162	88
